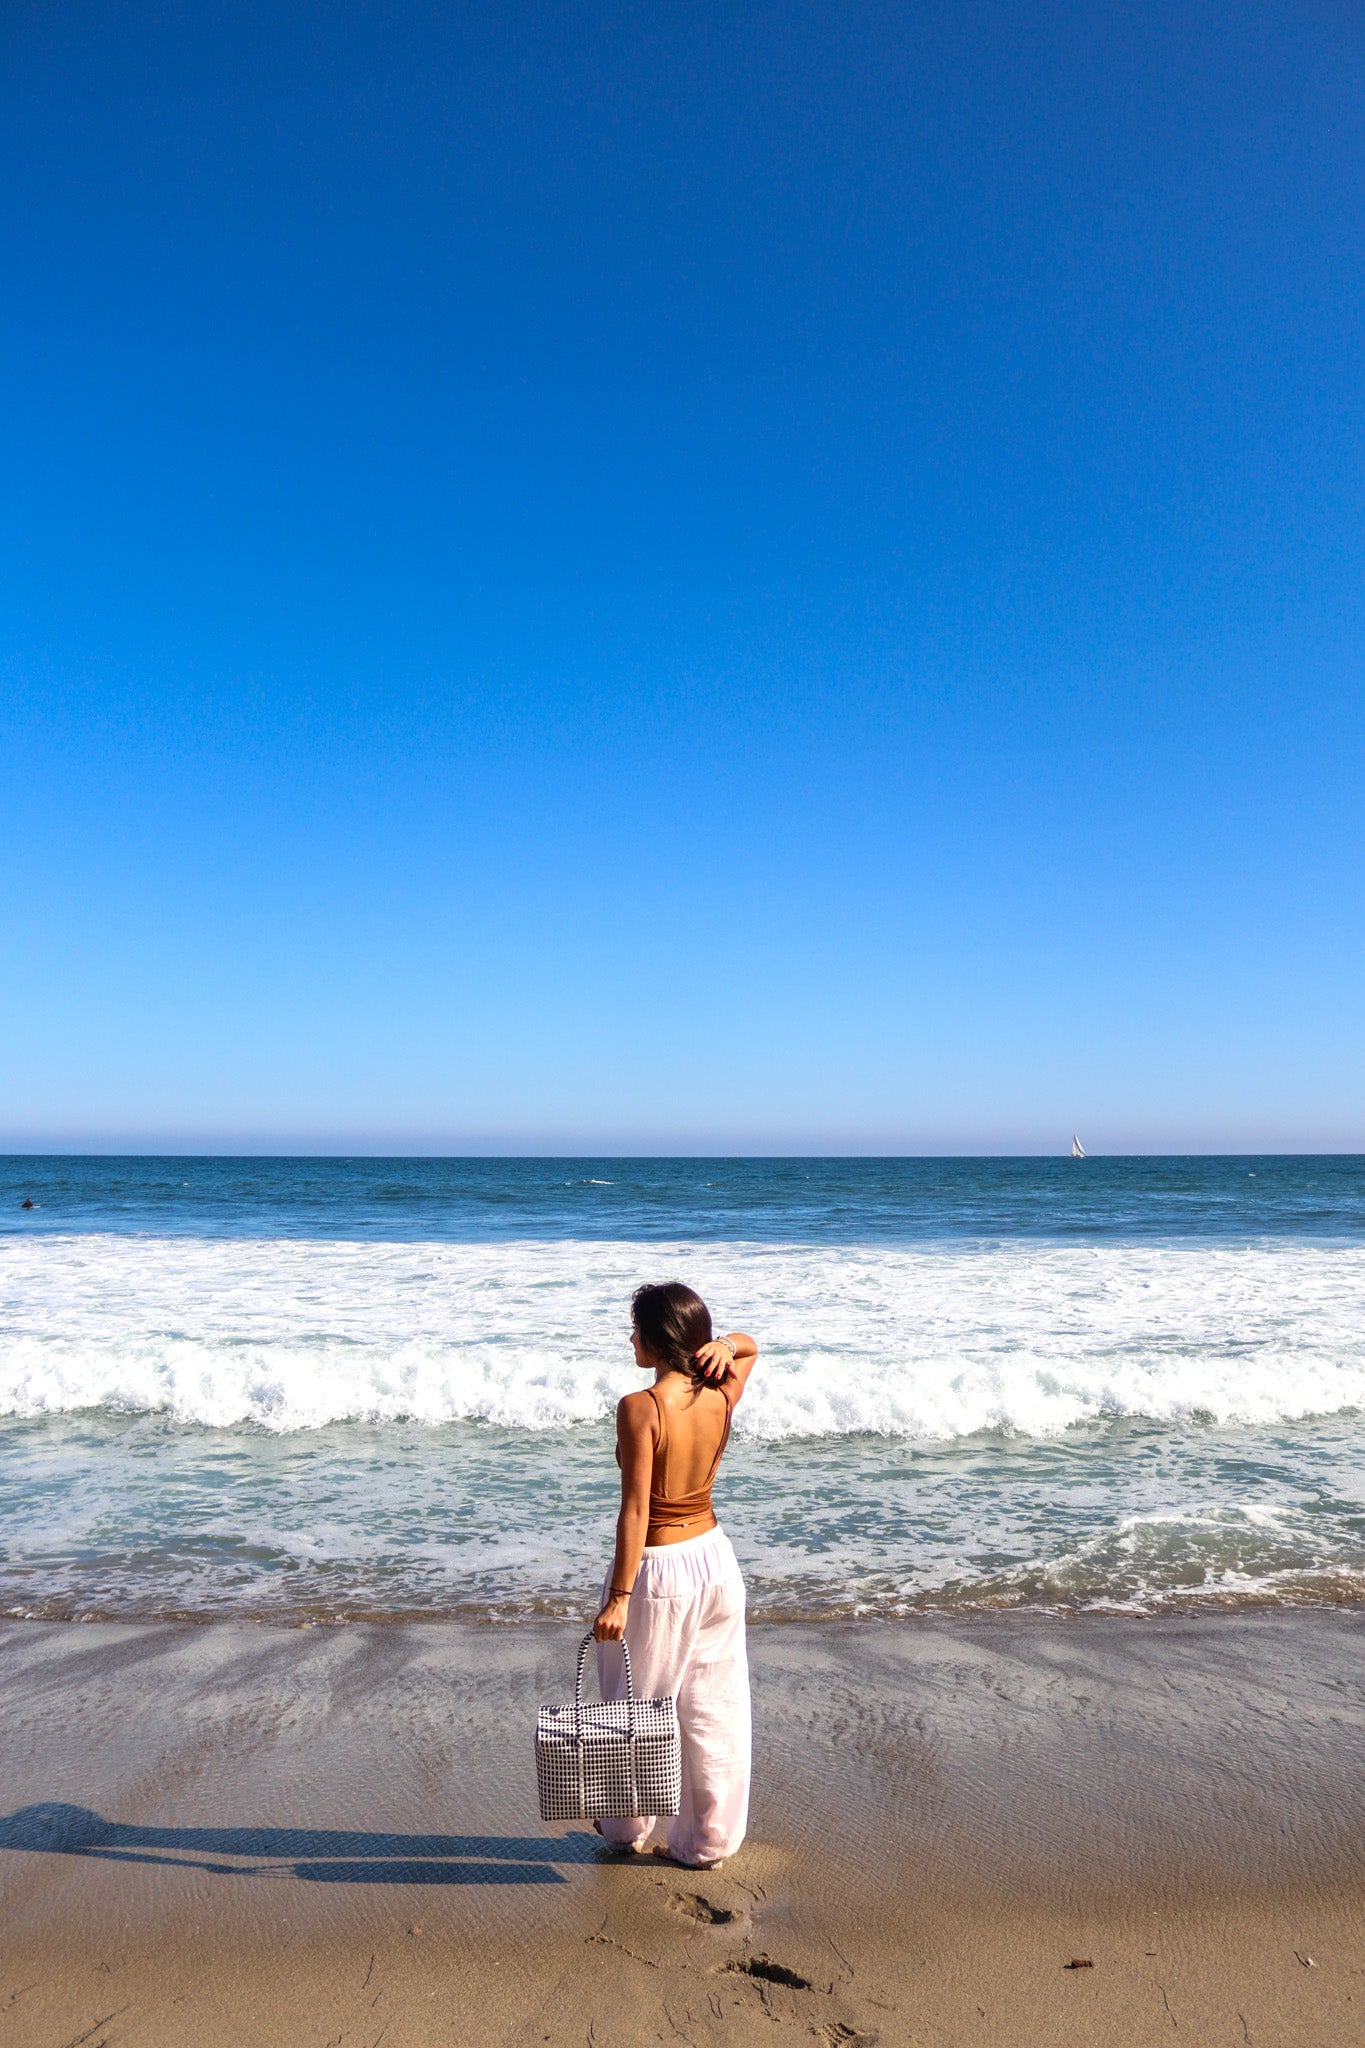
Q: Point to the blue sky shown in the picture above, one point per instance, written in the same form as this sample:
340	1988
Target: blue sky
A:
682	578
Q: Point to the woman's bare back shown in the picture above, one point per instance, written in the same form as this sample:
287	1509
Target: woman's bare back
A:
694	1422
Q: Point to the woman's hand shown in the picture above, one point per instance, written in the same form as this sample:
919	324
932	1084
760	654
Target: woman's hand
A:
610	1624
716	1361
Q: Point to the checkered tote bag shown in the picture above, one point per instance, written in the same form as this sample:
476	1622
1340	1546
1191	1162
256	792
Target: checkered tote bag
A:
611	1759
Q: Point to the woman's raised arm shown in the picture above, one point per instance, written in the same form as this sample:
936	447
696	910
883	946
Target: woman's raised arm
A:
727	1362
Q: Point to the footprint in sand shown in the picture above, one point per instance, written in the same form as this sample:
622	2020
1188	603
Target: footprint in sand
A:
768	1972
704	1911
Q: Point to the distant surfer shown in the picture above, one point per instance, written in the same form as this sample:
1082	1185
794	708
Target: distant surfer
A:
28	1202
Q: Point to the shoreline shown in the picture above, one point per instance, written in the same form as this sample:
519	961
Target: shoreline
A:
228	1832
1210	1606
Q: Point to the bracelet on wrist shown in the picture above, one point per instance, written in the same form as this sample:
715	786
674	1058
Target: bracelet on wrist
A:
619	1592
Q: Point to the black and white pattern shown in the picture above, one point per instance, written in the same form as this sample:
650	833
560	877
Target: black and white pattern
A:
608	1759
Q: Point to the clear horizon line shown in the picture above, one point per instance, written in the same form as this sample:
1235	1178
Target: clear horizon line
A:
358	1152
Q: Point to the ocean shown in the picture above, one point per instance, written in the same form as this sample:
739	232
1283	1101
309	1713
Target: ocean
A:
311	1389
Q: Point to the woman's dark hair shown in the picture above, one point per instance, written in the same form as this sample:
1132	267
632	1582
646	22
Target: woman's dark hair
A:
672	1323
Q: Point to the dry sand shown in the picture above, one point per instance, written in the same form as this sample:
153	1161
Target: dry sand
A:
327	1838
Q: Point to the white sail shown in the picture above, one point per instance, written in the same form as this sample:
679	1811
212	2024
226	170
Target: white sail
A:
1077	1148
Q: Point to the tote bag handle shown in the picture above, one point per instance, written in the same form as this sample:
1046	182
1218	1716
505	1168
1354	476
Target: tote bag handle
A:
583	1650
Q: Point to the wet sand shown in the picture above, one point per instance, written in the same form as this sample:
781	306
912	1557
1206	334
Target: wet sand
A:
248	1835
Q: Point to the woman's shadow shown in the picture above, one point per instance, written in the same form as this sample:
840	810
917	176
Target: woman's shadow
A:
321	1855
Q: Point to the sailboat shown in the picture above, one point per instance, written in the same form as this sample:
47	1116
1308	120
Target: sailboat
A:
1077	1148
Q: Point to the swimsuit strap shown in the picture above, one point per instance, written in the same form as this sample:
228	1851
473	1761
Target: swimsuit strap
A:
724	1439
662	1444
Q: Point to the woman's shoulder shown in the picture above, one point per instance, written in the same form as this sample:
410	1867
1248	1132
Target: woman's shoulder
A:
636	1410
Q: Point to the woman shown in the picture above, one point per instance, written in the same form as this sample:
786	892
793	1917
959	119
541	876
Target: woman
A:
675	1593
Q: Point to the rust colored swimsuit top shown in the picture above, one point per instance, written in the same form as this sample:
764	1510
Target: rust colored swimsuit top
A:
675	1511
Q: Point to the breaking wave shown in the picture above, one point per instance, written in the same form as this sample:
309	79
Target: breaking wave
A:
892	1341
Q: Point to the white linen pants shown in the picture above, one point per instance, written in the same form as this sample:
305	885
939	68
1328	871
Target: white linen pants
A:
685	1633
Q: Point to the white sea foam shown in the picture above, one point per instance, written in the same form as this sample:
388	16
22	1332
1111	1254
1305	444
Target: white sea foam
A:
903	1342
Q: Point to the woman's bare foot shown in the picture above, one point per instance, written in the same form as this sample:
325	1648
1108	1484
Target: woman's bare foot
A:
619	1848
661	1851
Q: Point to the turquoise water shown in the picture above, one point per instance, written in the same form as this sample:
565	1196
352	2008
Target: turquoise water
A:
319	1387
